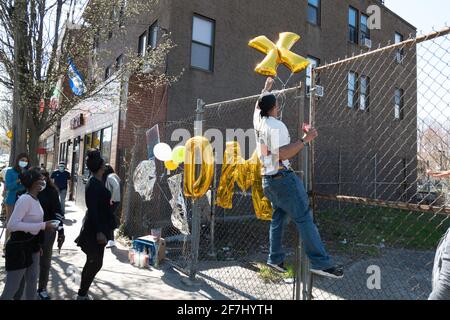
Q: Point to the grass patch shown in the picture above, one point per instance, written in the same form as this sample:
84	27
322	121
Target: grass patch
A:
269	275
367	229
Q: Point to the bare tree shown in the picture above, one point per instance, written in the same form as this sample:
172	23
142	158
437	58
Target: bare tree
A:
37	39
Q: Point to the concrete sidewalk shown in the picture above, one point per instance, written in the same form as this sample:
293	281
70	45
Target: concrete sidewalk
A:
118	280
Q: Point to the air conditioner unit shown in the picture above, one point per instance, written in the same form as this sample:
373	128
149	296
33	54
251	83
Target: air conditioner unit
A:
320	91
367	43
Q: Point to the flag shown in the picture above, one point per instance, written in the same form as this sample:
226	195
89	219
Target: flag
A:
54	100
41	106
75	80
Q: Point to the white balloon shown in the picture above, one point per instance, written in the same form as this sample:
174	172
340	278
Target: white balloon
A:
163	152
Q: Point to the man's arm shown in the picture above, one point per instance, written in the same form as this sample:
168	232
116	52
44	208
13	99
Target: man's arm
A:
267	88
291	150
440	175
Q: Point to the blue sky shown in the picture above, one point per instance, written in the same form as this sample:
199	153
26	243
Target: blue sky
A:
424	14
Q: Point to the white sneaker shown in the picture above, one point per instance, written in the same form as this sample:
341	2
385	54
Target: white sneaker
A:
111	244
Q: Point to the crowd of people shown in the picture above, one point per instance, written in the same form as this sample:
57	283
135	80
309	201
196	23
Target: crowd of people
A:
34	202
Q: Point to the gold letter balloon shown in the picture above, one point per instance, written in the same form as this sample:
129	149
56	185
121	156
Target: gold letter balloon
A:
246	173
197	187
279	53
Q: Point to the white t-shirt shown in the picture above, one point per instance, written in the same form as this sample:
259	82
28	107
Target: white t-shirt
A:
27	216
271	134
113	185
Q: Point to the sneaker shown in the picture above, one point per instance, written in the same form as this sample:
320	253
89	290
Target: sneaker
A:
111	244
278	267
82	298
336	272
43	295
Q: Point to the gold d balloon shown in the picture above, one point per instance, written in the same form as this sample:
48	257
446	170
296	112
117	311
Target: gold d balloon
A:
246	174
197	187
279	53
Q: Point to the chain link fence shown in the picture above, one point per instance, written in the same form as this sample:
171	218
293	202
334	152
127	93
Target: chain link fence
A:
384	123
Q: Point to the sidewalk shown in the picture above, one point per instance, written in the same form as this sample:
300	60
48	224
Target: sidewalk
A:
118	280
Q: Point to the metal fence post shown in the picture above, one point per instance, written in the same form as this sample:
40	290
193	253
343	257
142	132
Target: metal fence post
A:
196	215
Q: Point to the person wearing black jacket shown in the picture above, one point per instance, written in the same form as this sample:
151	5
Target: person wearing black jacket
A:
98	223
49	199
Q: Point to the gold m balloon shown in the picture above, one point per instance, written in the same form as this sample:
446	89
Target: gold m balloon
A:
246	174
197	187
279	53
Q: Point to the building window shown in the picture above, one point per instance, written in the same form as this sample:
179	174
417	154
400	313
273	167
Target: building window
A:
153	35
399	53
108	72
314	12
313	63
399	113
364	89
365	31
202	51
353	25
142	47
105	144
119	62
351	89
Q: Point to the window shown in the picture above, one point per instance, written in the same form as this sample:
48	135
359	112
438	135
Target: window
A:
365	31
313	63
153	35
142	48
364	93
314	12
353	25
400	53
202	51
105	144
100	140
96	42
351	89
399	104
108	72
119	62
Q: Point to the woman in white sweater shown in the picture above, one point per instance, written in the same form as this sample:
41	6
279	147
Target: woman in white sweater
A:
23	247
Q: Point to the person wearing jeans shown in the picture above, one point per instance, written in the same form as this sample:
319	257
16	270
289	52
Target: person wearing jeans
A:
23	249
61	179
284	189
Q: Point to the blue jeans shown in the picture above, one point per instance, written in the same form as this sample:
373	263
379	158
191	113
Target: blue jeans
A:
288	197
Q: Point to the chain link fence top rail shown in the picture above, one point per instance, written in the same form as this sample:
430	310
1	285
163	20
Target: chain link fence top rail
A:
384	121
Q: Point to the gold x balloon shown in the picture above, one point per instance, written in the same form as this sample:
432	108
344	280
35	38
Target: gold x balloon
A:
279	53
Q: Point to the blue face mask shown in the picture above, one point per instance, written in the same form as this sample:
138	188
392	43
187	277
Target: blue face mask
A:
23	164
61	169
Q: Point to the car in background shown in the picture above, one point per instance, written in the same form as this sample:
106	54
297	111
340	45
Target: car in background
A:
432	193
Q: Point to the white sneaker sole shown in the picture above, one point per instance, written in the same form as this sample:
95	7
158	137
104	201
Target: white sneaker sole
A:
326	274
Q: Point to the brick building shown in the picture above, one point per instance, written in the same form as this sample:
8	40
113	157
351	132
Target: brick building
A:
211	47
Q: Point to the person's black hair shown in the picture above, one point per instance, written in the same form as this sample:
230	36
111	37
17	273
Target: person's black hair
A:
49	181
108	170
266	103
94	160
29	177
20	156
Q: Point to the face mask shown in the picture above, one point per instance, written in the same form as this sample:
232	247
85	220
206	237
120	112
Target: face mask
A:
42	185
61	169
23	164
